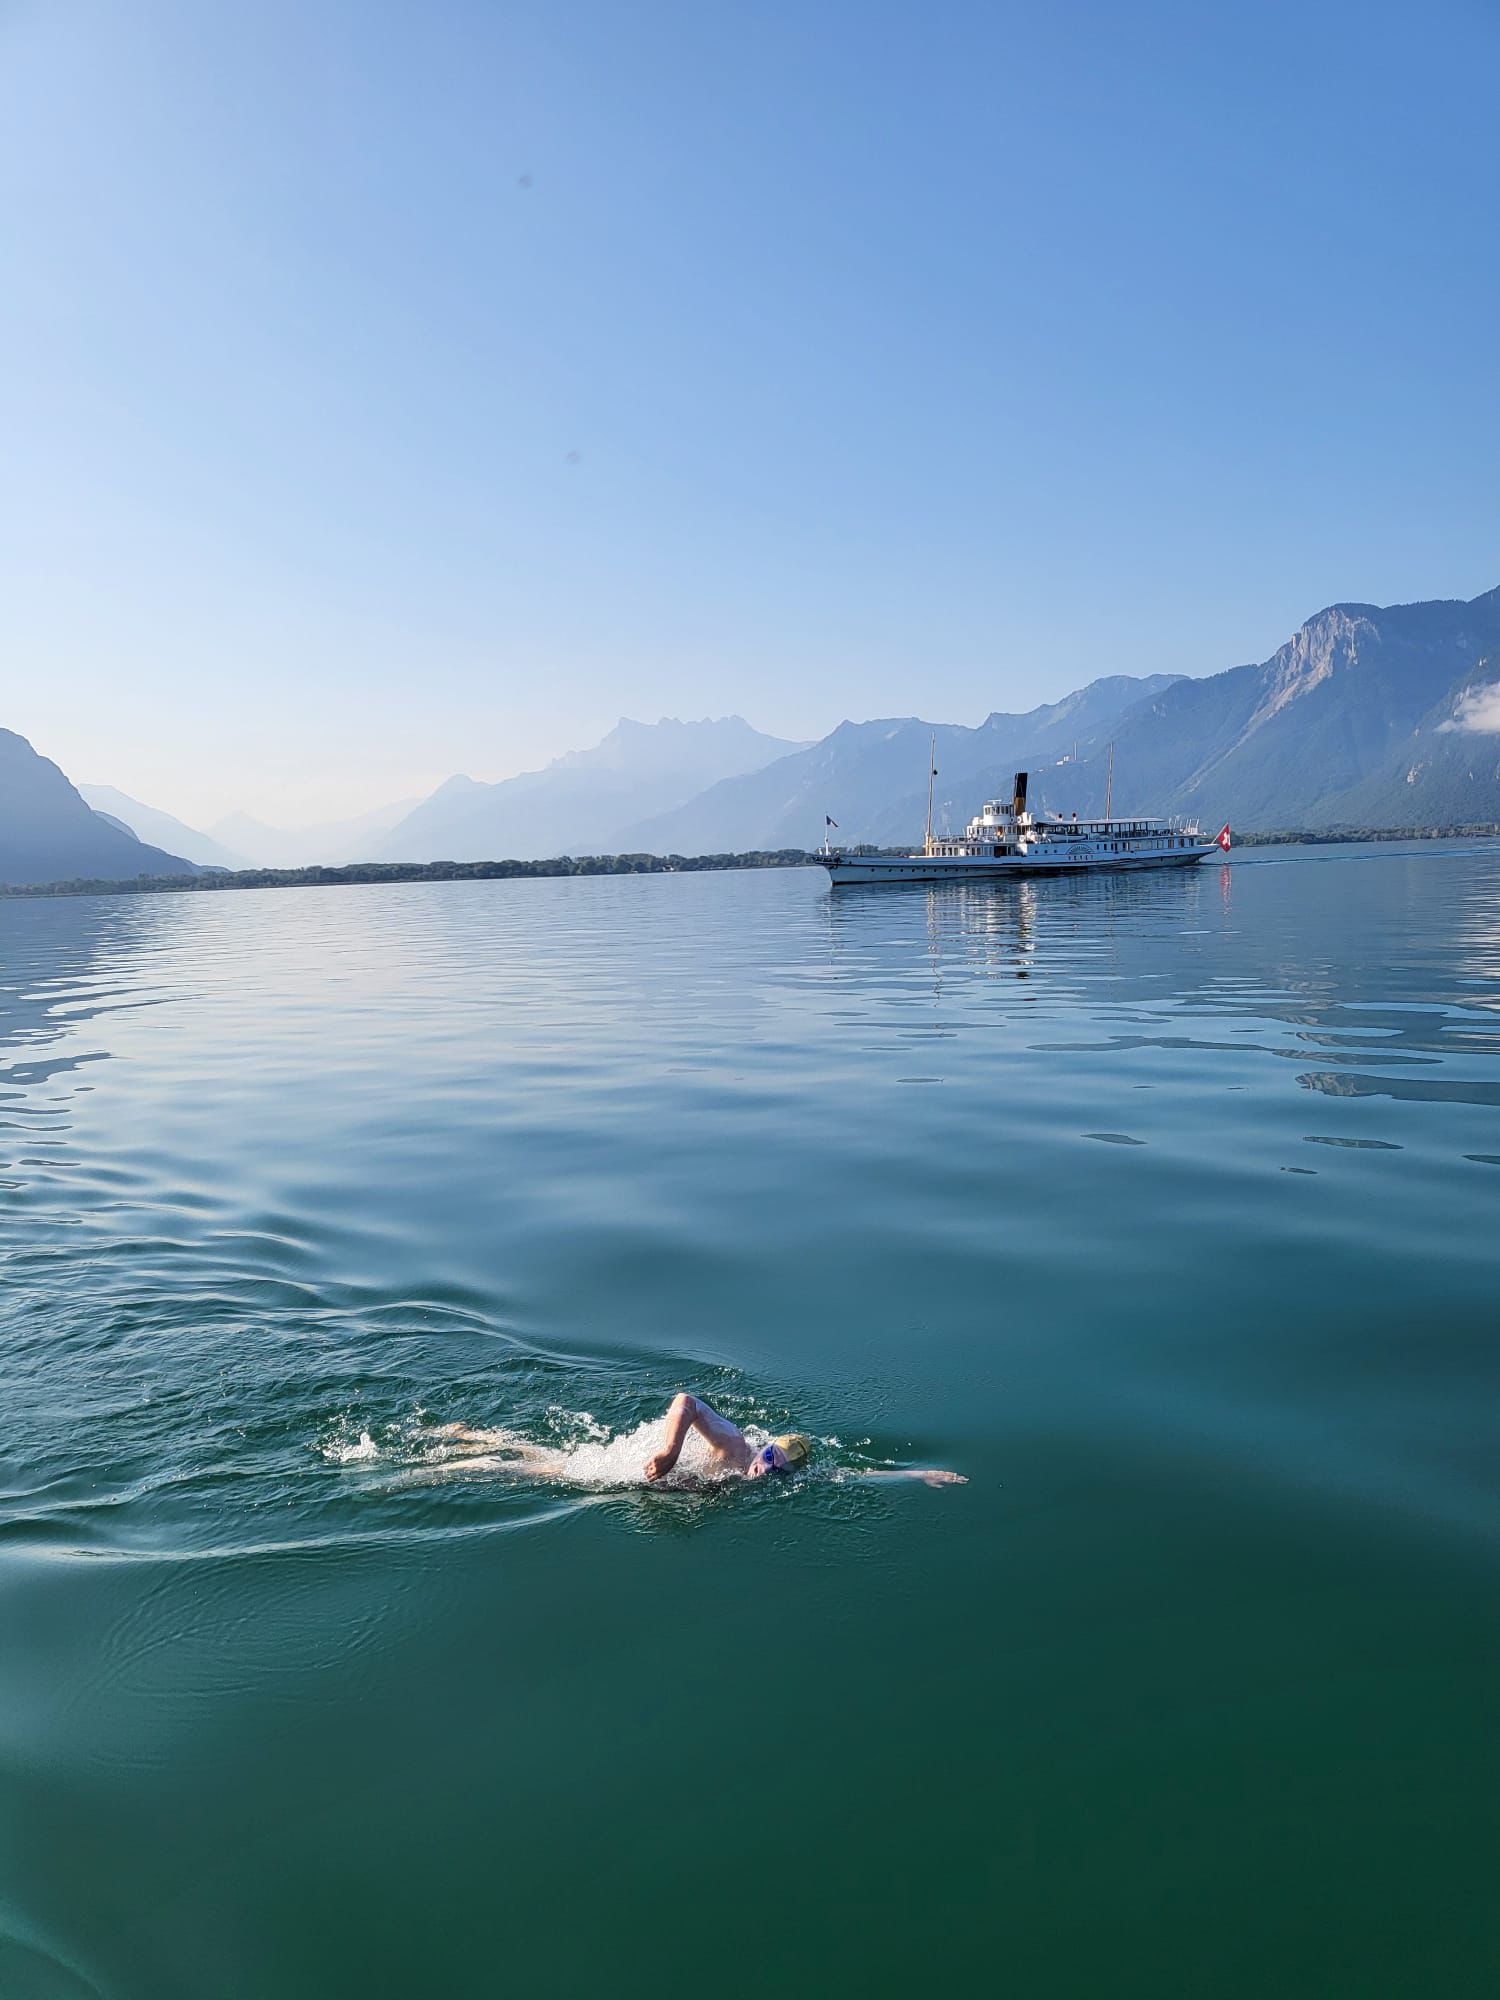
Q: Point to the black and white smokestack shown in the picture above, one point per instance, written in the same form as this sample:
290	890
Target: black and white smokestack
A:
1018	804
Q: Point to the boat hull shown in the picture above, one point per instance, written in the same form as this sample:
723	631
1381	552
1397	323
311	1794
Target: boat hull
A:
852	870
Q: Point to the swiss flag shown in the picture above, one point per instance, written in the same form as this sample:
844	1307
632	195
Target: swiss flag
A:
1221	838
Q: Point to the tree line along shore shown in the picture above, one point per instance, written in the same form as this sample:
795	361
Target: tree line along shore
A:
358	872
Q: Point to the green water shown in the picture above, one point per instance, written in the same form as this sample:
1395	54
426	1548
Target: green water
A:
1167	1209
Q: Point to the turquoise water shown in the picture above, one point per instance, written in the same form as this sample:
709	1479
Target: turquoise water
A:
1167	1209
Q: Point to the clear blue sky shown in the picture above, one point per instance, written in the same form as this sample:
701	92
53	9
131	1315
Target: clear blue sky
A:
918	358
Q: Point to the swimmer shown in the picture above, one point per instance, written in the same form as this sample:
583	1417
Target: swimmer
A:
731	1451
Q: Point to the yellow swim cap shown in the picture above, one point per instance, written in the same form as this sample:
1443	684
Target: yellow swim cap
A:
798	1448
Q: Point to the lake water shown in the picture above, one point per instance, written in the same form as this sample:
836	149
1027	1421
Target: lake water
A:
1166	1208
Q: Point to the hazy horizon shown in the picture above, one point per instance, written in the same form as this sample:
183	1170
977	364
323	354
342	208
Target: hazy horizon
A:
374	807
393	393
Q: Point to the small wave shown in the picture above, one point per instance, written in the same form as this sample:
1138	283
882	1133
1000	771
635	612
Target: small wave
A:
27	1965
583	1421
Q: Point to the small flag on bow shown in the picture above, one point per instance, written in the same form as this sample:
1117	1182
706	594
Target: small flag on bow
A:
1221	838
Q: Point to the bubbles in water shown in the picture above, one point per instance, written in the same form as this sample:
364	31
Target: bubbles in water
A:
338	1451
604	1461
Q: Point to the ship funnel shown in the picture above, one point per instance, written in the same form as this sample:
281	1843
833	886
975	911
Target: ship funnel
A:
1018	803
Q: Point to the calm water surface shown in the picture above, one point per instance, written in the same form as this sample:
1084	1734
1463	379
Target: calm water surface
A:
1166	1208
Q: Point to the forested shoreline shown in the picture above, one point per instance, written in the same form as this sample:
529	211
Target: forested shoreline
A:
365	873
373	872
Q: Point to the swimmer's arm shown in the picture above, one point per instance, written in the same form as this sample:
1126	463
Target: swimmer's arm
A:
930	1475
466	1434
690	1413
683	1414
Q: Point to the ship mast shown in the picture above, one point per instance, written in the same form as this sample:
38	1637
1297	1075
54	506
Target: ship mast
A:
931	774
1109	782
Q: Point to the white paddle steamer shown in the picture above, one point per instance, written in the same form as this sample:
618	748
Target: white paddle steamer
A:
1006	839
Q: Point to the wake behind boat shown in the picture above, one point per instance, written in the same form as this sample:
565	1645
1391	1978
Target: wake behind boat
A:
1005	839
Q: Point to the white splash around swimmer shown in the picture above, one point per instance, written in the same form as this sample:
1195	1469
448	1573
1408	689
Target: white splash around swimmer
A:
592	1461
596	1462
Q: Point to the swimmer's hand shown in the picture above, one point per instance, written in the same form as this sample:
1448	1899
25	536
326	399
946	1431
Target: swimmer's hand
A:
930	1475
660	1464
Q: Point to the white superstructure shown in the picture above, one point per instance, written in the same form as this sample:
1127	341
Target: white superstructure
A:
1005	839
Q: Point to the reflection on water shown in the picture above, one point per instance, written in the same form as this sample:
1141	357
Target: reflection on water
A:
291	1179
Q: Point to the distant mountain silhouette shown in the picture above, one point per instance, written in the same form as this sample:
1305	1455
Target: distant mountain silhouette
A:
48	833
867	773
331	842
147	823
581	803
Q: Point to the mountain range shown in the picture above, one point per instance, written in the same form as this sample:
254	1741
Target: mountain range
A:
49	832
871	776
160	828
1368	716
584	802
579	803
331	842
